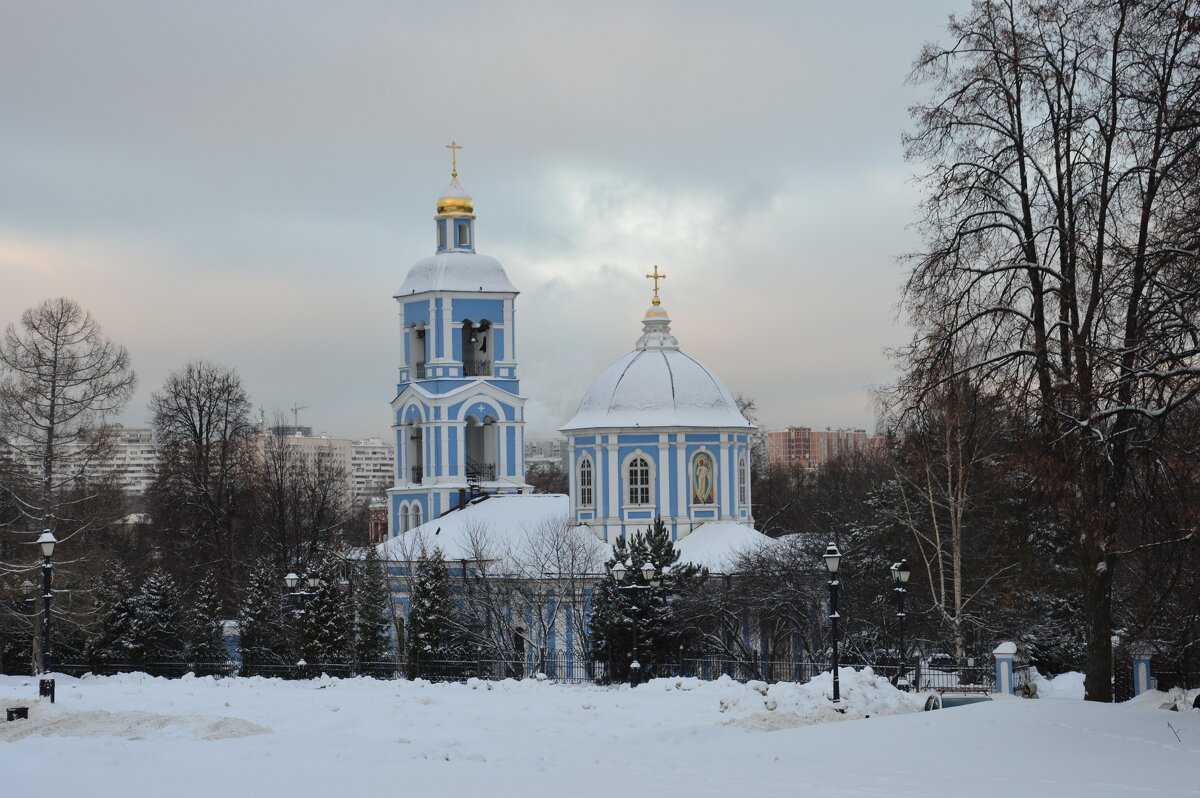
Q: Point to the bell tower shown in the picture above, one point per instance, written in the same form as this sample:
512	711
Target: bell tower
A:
457	415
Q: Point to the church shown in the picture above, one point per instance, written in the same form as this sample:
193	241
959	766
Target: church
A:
656	435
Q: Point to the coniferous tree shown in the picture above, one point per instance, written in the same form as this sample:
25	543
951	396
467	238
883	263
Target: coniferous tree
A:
372	618
113	607
661	630
264	632
434	626
327	637
207	630
157	634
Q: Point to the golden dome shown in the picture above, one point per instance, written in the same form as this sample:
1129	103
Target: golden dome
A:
455	199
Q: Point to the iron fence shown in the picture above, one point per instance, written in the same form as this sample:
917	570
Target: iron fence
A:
917	675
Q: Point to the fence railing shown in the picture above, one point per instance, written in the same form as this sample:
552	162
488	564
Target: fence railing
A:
572	669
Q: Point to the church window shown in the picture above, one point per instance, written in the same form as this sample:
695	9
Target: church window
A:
638	481
464	235
403	520
416	516
585	482
441	235
743	480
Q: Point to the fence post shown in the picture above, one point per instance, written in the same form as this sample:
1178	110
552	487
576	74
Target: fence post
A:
1141	668
1004	654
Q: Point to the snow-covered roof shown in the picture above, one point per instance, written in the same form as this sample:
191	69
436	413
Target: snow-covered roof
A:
656	385
717	544
505	528
456	271
495	525
657	388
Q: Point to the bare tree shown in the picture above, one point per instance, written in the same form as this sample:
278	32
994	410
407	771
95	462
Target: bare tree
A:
201	419
61	380
1062	249
302	500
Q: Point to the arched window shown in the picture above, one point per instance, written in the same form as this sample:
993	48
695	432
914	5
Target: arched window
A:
743	481
416	516
585	482
441	235
403	519
637	480
464	234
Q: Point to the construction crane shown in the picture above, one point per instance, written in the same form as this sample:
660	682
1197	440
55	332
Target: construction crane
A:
296	418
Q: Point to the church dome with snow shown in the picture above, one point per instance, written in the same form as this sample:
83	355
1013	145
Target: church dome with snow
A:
658	435
657	385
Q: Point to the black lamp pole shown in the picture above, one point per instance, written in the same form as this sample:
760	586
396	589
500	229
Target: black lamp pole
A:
900	574
651	575
832	560
46	541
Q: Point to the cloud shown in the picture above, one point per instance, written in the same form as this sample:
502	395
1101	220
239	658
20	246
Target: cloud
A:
250	182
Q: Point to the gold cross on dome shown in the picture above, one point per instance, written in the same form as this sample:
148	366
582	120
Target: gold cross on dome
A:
656	277
454	147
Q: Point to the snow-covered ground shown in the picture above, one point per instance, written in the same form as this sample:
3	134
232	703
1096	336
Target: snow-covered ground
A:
134	735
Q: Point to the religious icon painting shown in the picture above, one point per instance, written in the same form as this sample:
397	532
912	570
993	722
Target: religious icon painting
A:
703	479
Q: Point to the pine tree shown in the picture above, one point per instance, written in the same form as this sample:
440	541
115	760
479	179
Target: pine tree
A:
433	621
157	633
327	638
207	630
661	633
113	609
372	618
264	632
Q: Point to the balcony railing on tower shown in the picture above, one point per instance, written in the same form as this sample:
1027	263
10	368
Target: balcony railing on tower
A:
419	371
477	367
418	474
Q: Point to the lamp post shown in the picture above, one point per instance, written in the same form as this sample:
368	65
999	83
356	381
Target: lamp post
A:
292	580
833	558
46	542
900	574
651	575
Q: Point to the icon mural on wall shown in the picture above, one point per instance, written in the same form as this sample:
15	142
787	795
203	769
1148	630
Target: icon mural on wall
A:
703	479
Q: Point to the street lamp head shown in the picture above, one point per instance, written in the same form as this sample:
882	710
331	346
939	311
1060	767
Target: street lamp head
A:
27	587
896	572
314	581
832	558
618	571
47	541
902	571
291	580
648	570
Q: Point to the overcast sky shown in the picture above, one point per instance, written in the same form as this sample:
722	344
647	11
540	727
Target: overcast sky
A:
249	182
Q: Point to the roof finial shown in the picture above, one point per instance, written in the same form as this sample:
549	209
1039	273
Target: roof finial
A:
454	147
656	277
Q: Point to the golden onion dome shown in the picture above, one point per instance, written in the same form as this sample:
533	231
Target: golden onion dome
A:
455	199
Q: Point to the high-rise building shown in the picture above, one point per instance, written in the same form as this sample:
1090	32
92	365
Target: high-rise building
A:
809	448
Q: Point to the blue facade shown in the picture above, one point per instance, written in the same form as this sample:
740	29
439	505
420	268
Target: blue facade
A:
671	459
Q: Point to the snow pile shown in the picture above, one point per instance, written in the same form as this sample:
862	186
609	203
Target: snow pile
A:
1064	685
763	707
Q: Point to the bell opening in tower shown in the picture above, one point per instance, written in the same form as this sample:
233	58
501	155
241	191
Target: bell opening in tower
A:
415	440
481	444
417	352
476	349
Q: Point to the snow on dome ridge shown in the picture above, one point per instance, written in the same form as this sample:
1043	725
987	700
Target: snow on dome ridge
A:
456	271
657	385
